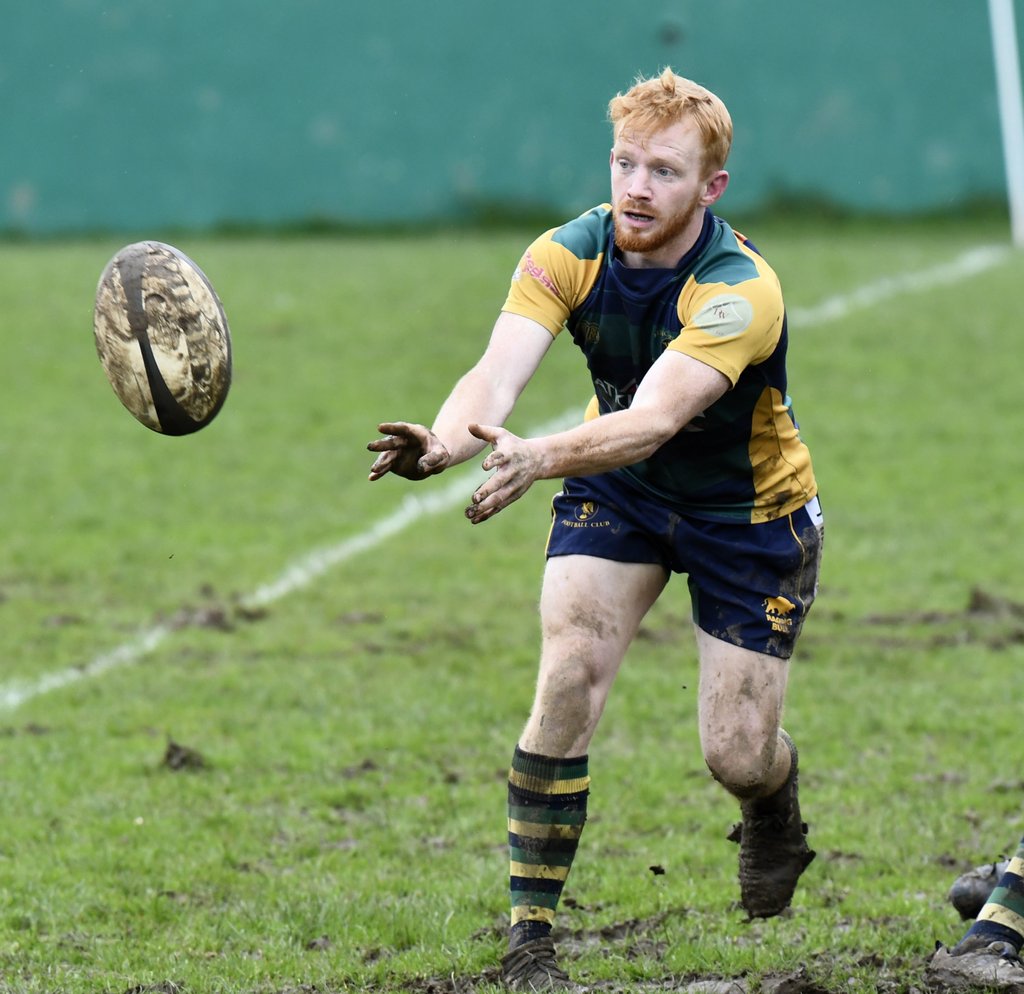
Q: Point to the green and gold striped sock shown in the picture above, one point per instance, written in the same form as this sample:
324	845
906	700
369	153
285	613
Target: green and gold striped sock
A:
547	807
1002	917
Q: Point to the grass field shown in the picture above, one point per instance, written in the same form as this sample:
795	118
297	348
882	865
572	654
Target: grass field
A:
344	669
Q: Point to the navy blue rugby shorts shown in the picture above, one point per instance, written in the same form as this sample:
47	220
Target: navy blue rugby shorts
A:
750	584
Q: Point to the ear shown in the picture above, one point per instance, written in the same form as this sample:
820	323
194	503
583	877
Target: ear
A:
714	187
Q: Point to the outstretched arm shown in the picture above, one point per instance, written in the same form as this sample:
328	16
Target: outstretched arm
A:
487	394
675	390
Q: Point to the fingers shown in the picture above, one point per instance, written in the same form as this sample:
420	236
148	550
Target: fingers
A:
411	451
386	444
396	435
393	438
487	433
495	494
480	512
493	436
487	502
381	465
402	429
516	466
435	459
390	446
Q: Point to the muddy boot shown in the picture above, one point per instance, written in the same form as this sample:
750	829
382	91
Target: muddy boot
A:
971	890
533	966
773	847
976	963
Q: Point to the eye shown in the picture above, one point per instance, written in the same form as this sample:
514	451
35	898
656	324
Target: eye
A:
664	172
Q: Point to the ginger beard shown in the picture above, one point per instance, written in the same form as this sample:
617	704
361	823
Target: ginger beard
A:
660	233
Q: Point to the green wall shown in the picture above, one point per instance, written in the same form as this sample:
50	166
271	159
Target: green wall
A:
142	115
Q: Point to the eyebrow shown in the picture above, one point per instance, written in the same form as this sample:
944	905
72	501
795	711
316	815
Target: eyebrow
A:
655	160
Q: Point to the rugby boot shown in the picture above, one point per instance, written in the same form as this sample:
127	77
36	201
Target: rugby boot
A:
533	966
773	847
971	890
976	963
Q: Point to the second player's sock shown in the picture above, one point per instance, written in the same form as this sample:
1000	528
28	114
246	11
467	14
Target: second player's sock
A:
1002	917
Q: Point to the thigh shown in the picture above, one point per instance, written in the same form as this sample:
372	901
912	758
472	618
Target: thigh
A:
739	687
591	609
595	605
740	702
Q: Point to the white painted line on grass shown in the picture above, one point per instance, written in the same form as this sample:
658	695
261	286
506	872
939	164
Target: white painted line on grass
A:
17	692
969	263
417	506
414	507
297	575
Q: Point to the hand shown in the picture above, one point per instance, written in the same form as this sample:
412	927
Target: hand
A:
518	464
407	450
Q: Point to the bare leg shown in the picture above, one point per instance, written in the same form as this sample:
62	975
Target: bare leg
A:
740	712
740	703
590	612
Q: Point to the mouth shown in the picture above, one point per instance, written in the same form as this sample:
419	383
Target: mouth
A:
638	218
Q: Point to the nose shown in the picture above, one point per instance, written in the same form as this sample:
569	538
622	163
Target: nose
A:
639	186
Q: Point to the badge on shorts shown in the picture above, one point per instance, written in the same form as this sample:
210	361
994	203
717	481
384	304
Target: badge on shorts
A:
777	611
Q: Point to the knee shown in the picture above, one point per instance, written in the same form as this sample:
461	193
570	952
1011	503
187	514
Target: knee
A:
571	681
742	765
566	709
574	662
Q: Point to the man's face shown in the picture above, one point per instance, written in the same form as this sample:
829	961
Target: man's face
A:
660	190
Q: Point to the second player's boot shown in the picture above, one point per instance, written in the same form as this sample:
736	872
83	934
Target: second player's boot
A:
972	889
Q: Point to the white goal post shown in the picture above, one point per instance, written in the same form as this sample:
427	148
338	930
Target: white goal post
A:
1011	113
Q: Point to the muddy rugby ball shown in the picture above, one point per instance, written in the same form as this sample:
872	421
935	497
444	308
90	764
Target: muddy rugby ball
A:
162	337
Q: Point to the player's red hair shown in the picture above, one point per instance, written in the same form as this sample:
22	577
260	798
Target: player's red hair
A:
656	103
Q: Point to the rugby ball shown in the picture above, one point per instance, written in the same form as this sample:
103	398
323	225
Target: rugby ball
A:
163	338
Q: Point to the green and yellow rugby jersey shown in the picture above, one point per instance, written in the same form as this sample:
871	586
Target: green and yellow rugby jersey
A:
743	458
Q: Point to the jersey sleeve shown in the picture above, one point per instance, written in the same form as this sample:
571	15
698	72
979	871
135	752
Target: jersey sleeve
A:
730	326
548	283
